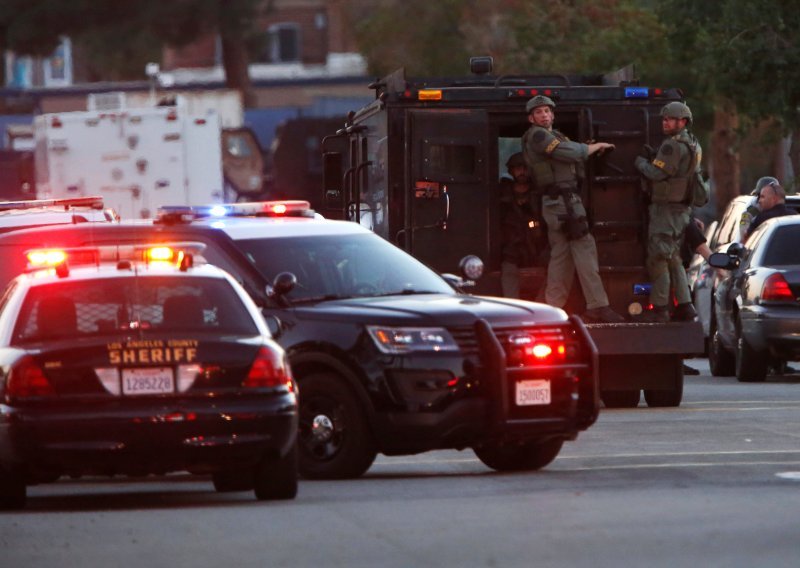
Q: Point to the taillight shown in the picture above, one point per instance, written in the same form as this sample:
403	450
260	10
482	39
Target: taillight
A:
540	346
26	379
776	289
545	352
269	369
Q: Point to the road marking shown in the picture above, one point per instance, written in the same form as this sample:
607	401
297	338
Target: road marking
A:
675	454
676	465
793	475
422	461
741	402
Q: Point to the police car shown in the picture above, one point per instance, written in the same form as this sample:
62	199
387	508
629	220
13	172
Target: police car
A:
388	355
138	360
36	212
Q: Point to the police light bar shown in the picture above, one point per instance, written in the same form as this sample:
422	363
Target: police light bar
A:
185	213
172	253
94	202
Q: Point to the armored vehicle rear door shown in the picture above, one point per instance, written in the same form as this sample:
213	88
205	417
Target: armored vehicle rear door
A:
448	191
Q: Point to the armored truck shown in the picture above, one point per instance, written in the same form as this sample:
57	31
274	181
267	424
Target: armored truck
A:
422	165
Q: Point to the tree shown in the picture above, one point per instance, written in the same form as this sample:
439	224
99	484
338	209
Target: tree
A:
121	36
743	57
424	36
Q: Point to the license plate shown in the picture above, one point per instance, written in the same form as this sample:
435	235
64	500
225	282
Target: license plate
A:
151	380
530	393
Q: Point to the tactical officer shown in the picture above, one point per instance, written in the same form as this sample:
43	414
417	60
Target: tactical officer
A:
556	164
670	173
520	222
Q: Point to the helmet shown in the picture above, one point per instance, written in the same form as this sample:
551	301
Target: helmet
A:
537	101
677	110
766	180
515	160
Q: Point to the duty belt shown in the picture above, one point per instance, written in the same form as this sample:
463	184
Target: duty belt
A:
557	190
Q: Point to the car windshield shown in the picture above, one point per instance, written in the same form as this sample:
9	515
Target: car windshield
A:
782	249
342	266
141	305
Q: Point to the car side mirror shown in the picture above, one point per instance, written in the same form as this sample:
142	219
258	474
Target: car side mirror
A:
724	260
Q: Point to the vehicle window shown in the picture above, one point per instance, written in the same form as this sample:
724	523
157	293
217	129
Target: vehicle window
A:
729	223
782	249
342	266
237	145
451	159
6	295
146	305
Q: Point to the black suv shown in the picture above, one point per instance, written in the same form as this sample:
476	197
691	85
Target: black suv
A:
389	356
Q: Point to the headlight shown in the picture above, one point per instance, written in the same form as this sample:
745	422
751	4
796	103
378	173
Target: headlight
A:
396	340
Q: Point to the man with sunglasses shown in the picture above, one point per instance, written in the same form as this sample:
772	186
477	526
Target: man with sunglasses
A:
771	203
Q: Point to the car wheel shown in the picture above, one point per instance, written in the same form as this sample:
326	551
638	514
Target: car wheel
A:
528	456
277	478
12	491
229	480
621	398
720	360
335	441
664	398
751	366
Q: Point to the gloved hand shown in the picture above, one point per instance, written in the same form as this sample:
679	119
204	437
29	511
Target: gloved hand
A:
648	151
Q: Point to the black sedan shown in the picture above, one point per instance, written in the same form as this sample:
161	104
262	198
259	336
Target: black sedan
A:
756	303
136	368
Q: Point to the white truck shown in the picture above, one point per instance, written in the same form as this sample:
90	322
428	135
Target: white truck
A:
136	158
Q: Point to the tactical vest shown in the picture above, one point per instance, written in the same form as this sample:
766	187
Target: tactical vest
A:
675	189
547	172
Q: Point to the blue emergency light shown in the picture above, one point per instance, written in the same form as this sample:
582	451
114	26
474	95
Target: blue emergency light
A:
637	92
642	289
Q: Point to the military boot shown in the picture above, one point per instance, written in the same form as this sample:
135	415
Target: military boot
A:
684	312
602	315
659	314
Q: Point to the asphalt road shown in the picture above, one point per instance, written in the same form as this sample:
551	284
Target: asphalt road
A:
715	482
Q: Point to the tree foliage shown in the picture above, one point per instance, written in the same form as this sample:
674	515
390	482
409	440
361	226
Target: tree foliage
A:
424	36
119	37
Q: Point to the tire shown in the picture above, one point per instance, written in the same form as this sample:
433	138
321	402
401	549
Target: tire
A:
334	437
751	366
667	398
528	456
230	480
621	398
721	361
12	491
276	479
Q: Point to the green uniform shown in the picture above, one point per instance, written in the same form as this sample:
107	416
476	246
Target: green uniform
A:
555	163
670	173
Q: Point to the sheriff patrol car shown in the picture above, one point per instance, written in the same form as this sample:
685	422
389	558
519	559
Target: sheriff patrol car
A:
135	360
389	357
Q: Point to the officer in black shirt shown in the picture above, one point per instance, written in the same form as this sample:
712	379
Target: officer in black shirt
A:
771	203
522	236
